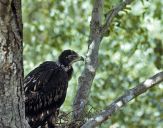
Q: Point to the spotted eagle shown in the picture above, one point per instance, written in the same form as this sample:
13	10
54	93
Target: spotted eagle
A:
45	89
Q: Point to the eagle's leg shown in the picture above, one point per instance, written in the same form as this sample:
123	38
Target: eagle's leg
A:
53	119
51	122
51	125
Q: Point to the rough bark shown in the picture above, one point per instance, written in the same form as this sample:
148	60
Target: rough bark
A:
11	65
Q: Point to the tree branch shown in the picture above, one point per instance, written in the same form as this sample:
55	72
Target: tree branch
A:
114	12
97	31
91	62
123	100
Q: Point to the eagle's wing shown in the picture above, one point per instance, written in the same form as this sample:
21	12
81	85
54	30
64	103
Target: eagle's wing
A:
45	89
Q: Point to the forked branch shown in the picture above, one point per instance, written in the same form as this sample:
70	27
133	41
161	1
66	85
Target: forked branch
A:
97	31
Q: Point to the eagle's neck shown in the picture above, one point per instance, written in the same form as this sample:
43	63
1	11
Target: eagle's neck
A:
66	68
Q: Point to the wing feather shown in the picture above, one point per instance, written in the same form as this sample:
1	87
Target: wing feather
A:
45	89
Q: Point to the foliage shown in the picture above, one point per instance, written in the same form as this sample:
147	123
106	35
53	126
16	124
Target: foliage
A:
131	52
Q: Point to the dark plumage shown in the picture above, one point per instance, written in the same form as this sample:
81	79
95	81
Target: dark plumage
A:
45	89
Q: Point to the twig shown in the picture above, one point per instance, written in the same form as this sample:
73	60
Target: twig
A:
112	13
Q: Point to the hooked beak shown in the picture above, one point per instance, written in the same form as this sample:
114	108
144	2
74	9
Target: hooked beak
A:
77	58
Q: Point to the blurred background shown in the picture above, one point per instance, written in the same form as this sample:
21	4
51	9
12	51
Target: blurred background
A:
131	52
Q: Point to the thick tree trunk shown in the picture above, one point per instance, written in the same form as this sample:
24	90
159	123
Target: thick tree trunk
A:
11	65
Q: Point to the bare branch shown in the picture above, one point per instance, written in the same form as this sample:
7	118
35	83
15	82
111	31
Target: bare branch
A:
97	31
123	100
87	76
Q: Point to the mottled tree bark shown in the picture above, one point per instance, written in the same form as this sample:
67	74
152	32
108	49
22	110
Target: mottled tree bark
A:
11	65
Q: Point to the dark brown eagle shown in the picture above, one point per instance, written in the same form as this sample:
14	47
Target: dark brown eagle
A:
45	89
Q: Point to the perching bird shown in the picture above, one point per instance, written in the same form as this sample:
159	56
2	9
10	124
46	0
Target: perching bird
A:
45	89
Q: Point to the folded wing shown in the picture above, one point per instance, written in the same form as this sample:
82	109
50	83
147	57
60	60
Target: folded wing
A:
45	91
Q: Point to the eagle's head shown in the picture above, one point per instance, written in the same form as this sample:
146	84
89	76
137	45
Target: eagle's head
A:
68	57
